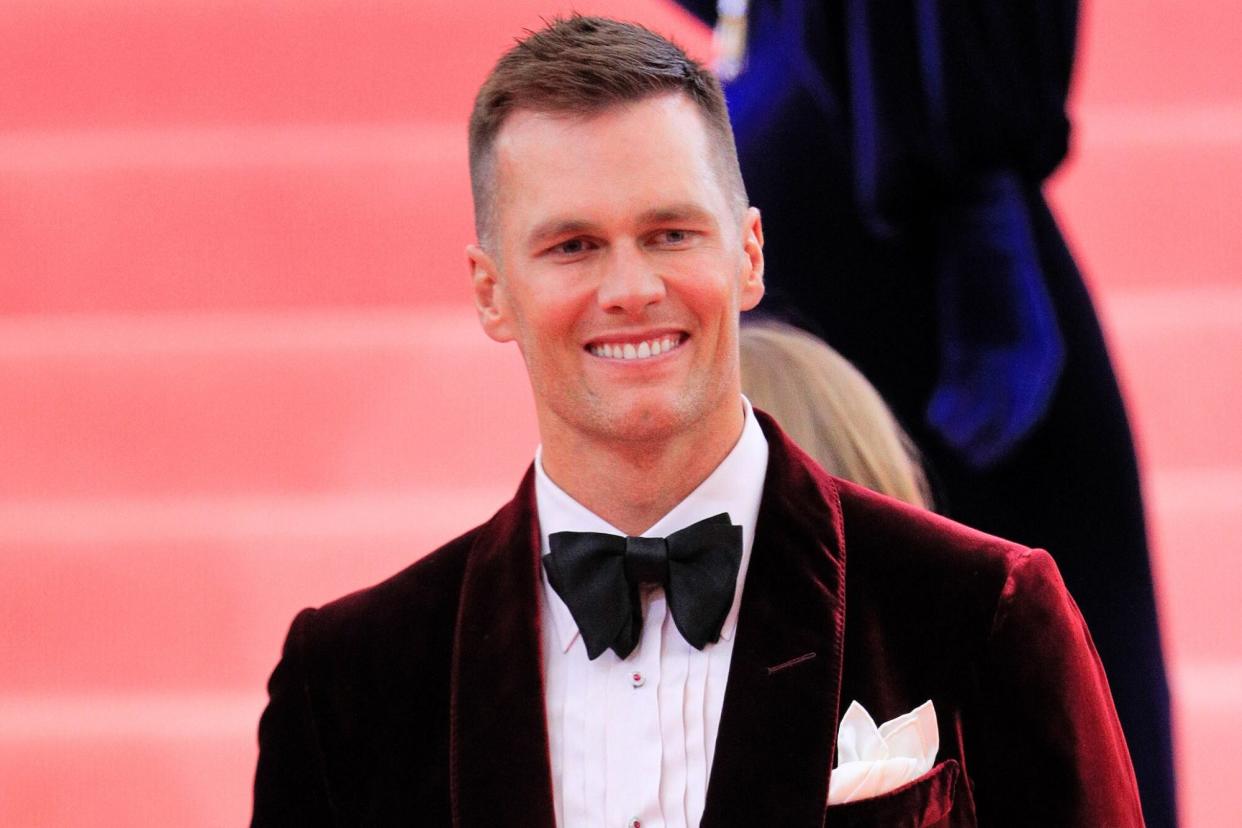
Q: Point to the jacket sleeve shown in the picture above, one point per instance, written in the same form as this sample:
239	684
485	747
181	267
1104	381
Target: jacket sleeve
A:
1050	748
290	786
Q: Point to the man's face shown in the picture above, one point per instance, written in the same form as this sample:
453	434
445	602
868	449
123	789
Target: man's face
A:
619	268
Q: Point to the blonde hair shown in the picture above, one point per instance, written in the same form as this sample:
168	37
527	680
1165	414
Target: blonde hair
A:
830	410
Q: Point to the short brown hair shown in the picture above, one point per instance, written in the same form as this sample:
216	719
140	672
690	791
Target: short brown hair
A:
583	66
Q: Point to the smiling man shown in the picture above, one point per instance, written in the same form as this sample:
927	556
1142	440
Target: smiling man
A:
619	264
666	625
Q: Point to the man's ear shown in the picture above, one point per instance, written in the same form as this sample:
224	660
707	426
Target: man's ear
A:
752	266
489	294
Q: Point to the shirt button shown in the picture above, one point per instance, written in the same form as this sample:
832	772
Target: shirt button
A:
637	680
634	823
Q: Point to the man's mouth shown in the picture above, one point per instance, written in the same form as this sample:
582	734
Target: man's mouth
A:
645	349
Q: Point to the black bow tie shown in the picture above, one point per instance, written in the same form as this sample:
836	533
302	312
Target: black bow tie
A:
598	577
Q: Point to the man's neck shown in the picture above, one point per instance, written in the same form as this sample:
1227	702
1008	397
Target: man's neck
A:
632	485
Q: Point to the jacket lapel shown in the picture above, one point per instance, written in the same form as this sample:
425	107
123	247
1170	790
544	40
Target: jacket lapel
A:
777	737
498	732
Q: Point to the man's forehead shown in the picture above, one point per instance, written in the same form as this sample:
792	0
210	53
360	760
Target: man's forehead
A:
653	131
519	118
528	135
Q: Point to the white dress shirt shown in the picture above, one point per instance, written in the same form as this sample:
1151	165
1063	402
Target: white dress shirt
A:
631	740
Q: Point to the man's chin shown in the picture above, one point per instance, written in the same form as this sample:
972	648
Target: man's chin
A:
648	418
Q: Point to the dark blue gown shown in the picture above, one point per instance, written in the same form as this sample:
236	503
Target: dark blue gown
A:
897	151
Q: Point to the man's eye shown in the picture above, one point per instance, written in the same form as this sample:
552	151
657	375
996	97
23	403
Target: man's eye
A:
571	247
673	237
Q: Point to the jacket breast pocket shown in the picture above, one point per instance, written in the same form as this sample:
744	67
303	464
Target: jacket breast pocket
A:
924	803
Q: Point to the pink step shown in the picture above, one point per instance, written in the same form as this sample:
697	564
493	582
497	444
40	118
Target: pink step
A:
172	595
142	759
127	62
324	402
379	214
115	761
128	763
1179	358
121	62
1196	523
1208	728
163	596
167	406
1158	51
1150	196
246	217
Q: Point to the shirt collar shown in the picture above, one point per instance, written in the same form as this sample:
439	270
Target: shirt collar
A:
735	486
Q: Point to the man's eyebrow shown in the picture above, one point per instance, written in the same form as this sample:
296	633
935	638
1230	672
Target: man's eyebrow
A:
676	212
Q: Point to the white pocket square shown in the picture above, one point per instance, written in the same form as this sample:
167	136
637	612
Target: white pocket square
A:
875	760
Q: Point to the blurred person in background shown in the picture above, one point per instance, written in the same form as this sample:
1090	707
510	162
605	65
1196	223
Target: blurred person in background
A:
830	410
898	153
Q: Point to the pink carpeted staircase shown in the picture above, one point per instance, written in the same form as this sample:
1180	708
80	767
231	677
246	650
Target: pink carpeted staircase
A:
240	373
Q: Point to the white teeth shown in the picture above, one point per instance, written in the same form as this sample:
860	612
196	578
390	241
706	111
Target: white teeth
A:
644	350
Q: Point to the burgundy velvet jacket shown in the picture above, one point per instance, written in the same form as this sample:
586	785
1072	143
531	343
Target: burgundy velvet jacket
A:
419	701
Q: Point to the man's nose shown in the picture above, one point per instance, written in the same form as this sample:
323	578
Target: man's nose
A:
631	282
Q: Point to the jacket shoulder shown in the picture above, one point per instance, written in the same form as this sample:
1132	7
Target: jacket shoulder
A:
883	532
357	701
915	566
424	593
